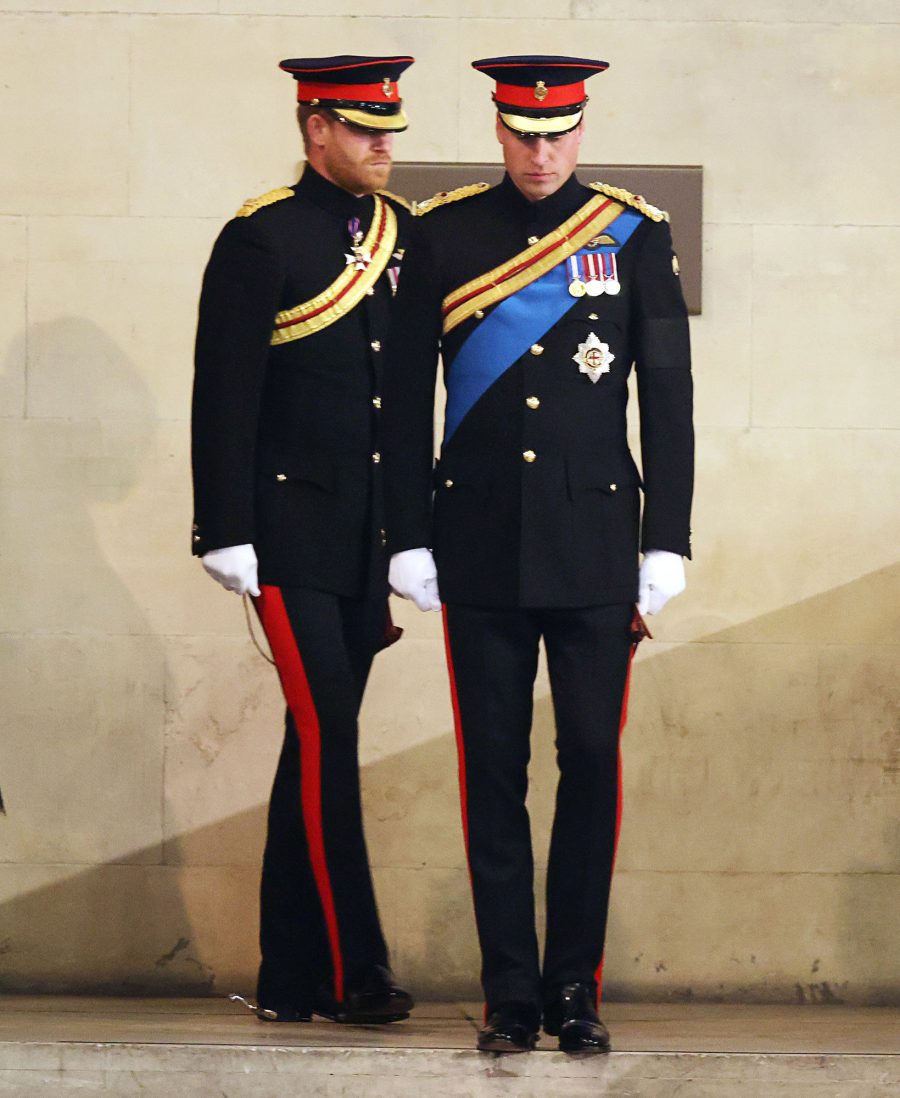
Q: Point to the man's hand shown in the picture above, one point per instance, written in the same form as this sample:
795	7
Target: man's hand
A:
234	567
661	579
412	575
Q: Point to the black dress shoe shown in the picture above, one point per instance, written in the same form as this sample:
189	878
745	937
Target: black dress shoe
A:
283	1013
512	1027
572	1017
375	1001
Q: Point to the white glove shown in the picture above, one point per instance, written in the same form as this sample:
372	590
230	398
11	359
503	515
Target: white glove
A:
234	567
661	579
412	575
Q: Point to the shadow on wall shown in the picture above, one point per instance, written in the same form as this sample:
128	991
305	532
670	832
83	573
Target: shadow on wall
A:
756	861
82	721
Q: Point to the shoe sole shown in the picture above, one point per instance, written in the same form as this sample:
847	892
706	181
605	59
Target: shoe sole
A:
496	1045
574	1043
267	1017
364	1019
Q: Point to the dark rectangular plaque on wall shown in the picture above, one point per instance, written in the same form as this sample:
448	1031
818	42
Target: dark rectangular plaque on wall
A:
676	189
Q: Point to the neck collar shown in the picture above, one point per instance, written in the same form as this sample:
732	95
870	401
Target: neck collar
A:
550	211
331	198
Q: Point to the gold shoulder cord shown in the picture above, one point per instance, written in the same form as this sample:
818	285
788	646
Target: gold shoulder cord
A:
267	199
636	201
442	198
405	202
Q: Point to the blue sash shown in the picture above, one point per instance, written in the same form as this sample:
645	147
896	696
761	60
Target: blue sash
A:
516	323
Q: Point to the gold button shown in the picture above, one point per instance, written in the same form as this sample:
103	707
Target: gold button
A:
280	476
533	402
533	239
479	314
370	292
196	537
613	487
376	344
195	527
376	401
537	349
593	316
376	457
529	456
448	483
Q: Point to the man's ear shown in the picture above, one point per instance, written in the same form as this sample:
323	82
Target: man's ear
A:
317	127
499	129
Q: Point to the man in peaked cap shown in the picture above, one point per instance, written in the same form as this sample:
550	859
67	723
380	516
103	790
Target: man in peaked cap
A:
289	509
540	294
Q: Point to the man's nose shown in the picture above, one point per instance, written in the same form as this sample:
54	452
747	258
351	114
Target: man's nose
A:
540	150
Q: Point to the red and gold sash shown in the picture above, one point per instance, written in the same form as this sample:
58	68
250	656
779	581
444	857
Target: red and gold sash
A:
348	289
528	266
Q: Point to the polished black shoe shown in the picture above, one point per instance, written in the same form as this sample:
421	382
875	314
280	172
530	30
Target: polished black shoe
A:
375	1001
572	1017
282	1012
512	1027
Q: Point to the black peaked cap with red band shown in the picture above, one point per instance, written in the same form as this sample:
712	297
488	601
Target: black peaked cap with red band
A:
539	95
361	91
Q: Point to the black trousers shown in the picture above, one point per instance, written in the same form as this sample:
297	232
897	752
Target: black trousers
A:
319	926
492	656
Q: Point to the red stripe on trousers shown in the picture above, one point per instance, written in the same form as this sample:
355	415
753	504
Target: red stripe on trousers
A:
273	614
457	725
623	720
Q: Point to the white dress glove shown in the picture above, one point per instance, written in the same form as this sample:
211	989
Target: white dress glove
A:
412	575
661	579
234	567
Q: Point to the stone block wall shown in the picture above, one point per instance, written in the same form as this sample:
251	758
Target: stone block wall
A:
139	728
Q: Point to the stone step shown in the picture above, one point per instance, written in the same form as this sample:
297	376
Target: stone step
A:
204	1049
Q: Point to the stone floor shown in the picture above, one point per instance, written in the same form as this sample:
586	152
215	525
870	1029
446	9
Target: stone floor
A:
210	1048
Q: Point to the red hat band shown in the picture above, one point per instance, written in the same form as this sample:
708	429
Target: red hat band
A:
561	95
385	92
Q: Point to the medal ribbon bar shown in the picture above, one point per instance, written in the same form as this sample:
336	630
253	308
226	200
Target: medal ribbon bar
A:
528	266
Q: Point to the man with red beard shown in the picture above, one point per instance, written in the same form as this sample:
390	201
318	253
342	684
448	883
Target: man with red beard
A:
295	307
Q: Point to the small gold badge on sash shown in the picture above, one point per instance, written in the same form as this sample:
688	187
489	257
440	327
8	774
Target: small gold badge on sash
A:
593	358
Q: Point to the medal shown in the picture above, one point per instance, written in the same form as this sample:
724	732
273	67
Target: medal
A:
594	284
361	257
593	358
576	286
611	280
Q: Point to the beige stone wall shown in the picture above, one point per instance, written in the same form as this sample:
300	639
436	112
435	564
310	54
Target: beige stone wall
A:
759	855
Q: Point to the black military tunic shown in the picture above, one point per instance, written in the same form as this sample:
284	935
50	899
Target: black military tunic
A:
286	456
533	514
562	528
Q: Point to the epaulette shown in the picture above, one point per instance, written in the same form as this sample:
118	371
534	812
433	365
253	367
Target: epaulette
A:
405	202
443	197
254	204
635	200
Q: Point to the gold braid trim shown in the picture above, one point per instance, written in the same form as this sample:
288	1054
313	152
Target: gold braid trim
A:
405	202
528	266
348	289
443	197
635	200
254	204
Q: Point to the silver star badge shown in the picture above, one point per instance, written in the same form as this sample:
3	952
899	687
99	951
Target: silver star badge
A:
593	358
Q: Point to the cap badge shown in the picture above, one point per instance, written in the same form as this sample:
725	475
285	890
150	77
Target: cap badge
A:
540	91
386	87
593	358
